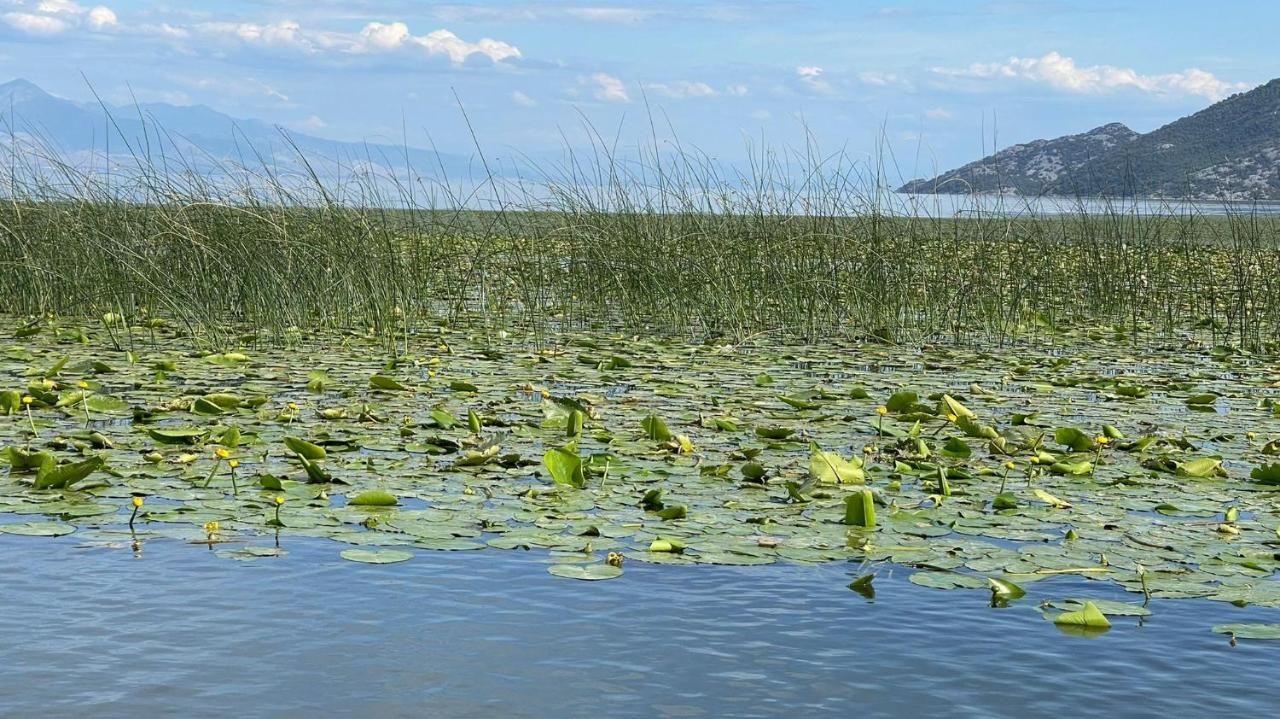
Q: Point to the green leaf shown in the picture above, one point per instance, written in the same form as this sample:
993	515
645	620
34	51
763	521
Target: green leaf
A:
831	468
949	405
668	545
1004	590
652	500
378	556
1249	631
1267	474
389	384
38	529
565	466
1005	500
778	433
860	509
204	407
315	472
1089	616
956	448
1074	439
655	429
176	436
305	449
1200	468
1077	469
675	511
585	572
947	580
62	476
902	401
20	459
374	498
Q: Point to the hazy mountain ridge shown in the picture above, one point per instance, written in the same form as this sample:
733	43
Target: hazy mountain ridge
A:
196	137
1230	150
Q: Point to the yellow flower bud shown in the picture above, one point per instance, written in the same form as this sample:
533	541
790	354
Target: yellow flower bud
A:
952	418
83	385
28	399
279	499
137	501
882	410
1010	465
222	453
233	463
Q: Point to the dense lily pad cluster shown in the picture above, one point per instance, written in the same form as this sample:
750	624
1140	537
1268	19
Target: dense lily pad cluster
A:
1157	469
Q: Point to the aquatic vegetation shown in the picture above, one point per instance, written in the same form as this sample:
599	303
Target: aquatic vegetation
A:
799	247
980	470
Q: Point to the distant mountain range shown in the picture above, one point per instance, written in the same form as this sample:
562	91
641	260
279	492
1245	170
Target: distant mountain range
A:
1230	150
203	137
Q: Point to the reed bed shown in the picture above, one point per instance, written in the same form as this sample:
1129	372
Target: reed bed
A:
655	242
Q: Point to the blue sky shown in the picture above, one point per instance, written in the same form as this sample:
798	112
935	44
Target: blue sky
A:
934	81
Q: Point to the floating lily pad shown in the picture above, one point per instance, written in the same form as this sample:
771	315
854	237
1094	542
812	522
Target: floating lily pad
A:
589	572
380	556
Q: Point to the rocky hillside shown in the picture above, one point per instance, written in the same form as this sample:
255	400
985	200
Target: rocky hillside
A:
1230	150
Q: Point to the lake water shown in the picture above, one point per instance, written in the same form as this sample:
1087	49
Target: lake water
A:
89	629
997	205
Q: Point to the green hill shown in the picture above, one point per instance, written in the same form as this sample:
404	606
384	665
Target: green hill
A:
1230	150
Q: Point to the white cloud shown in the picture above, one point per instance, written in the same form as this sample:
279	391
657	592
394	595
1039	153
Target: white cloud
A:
102	17
883	79
523	100
811	75
680	89
312	122
737	90
938	113
50	17
608	88
374	37
57	7
382	36
458	50
285	33
1062	73
608	14
35	24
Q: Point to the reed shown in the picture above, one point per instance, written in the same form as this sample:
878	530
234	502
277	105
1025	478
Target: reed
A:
661	241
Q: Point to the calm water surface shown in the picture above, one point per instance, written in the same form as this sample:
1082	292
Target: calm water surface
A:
91	630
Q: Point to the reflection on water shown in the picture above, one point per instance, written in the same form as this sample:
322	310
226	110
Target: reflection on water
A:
176	630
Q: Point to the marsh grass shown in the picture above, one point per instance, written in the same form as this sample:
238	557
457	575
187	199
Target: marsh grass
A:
662	241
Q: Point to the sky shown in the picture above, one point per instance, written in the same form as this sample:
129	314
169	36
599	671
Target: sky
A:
914	86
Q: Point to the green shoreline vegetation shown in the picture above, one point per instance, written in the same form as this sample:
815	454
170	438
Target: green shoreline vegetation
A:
648	366
655	244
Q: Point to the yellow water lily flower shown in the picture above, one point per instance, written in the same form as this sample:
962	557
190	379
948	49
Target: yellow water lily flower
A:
279	499
137	501
882	410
